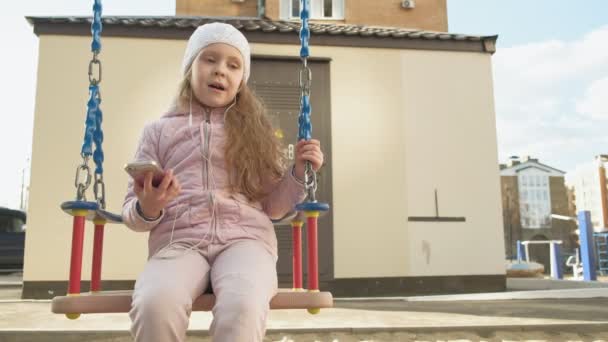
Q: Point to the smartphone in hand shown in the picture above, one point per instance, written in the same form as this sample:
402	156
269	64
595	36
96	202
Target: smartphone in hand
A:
138	171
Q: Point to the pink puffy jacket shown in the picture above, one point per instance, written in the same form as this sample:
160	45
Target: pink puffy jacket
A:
205	209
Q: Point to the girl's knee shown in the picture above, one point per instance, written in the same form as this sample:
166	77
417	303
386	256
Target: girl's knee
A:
159	316
239	318
160	303
241	306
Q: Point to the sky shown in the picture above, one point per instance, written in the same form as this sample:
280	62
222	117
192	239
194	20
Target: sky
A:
550	75
18	77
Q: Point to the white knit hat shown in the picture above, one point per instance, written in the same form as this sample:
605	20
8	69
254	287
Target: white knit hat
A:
217	33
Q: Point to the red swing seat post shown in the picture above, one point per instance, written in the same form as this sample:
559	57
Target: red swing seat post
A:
97	255
76	253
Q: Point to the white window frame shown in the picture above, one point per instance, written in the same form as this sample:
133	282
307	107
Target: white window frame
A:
317	10
534	207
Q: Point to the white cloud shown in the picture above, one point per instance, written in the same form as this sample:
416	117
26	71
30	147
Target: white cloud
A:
551	98
18	65
595	102
545	62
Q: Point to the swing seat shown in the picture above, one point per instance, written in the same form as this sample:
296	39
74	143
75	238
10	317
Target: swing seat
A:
322	208
120	302
93	211
72	305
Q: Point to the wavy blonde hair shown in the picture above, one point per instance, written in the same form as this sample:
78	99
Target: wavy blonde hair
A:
253	153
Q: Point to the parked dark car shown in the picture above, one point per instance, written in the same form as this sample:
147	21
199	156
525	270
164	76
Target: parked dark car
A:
12	239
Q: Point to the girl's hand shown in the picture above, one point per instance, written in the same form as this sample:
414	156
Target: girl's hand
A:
308	150
152	199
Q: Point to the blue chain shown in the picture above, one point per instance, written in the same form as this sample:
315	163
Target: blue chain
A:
305	127
96	27
93	133
98	139
305	29
304	123
90	123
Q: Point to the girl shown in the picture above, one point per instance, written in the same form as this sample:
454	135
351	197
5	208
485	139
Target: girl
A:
209	219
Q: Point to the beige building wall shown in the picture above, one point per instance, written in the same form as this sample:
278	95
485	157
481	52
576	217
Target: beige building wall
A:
137	84
427	15
449	125
414	128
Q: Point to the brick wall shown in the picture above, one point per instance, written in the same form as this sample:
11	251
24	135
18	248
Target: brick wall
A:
427	15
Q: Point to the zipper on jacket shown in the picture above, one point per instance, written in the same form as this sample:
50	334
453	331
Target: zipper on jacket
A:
204	151
205	169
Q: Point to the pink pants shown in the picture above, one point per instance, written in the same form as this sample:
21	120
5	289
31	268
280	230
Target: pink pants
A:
244	280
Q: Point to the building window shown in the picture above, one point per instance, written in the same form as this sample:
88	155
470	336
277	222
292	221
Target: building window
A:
320	9
295	8
535	201
327	8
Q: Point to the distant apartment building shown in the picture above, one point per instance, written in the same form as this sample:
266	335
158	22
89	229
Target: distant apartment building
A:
588	184
531	192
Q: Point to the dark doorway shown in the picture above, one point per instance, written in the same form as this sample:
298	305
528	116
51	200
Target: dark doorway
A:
276	81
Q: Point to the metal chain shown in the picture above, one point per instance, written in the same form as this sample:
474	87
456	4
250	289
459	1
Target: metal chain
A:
99	189
305	126
305	77
82	184
95	78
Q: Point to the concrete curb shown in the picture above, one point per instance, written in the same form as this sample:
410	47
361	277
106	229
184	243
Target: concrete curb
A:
4	284
382	333
515	295
535	284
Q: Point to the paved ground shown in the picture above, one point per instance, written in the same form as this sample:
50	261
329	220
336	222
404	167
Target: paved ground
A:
557	315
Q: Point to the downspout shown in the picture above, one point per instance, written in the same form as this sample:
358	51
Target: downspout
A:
603	192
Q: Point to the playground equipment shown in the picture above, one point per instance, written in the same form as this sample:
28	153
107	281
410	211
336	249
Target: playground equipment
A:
577	267
555	255
601	251
96	301
588	242
523	268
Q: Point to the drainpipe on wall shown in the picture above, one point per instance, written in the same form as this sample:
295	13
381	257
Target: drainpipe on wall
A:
261	8
603	192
